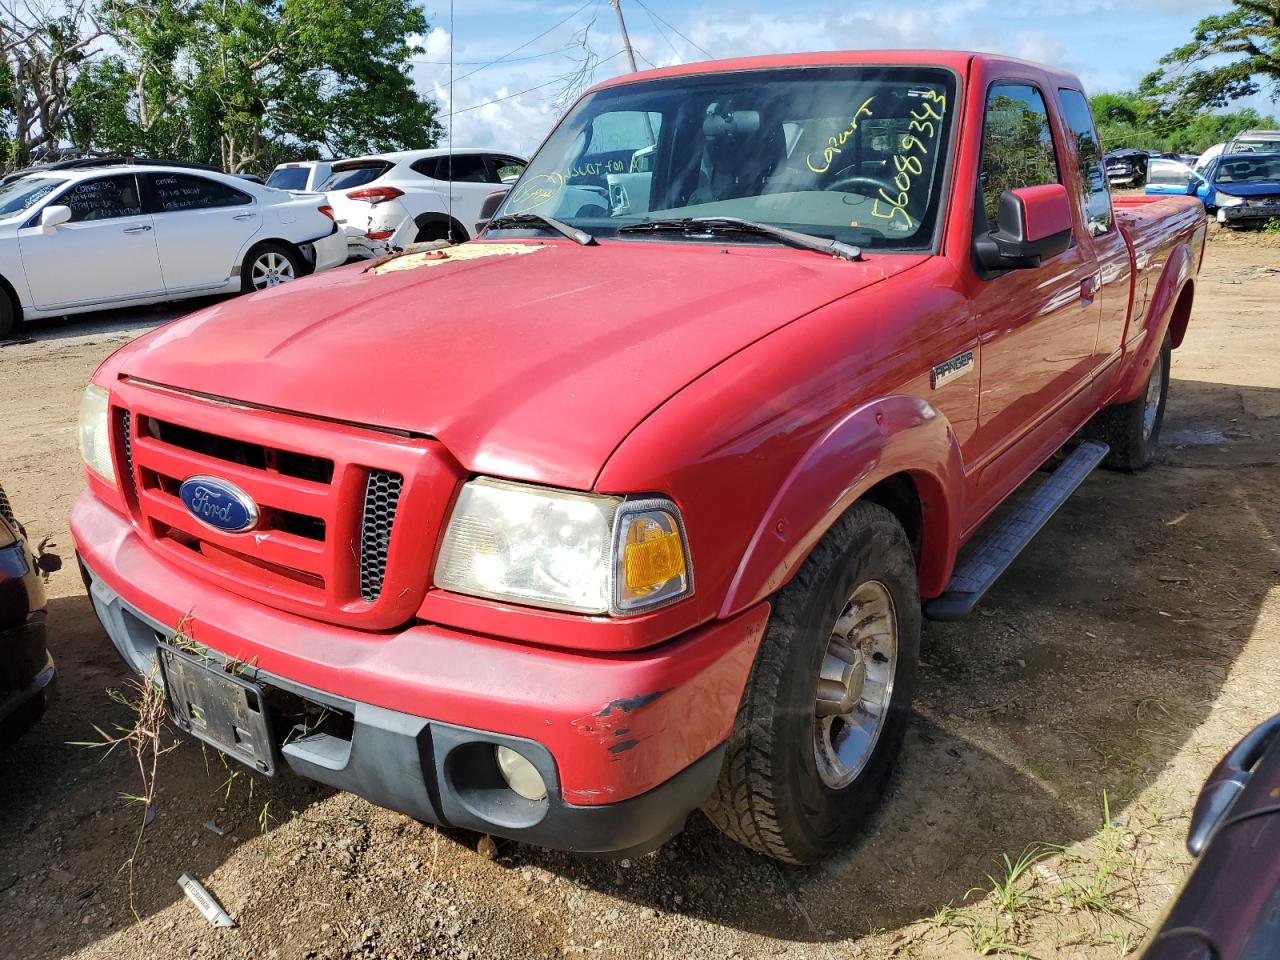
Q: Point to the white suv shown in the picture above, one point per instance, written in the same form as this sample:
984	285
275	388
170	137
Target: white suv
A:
390	200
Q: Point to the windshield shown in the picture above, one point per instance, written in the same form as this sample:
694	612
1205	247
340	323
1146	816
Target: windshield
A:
1249	170
23	194
288	178
855	154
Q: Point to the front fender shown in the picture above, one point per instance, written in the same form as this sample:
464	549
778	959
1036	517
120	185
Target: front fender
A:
893	435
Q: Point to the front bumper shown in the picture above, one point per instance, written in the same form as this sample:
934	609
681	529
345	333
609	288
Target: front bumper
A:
628	744
27	676
1244	212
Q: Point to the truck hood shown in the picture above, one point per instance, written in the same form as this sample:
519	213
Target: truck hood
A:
532	365
1264	189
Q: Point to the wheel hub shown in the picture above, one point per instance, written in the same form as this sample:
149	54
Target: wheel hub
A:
1152	405
855	684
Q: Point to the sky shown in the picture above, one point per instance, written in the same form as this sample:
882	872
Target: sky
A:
539	44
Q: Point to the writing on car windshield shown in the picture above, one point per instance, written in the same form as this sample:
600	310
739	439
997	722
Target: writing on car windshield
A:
855	154
23	194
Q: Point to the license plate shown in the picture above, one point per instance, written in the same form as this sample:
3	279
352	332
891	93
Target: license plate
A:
220	708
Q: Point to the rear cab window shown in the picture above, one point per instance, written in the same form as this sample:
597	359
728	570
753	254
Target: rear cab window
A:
1095	193
355	174
1017	144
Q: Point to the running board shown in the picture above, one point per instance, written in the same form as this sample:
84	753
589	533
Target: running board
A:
1002	547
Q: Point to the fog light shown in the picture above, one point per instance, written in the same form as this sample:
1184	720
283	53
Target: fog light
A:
520	774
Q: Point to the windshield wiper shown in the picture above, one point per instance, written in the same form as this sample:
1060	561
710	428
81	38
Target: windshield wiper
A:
695	225
525	219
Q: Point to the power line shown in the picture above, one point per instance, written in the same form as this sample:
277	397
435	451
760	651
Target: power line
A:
662	33
472	63
549	29
512	96
645	7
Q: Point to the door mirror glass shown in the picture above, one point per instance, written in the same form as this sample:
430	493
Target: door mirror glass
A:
1032	225
53	217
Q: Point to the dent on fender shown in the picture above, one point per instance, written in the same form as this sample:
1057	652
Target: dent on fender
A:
897	434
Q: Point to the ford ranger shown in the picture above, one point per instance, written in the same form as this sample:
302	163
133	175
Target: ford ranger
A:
635	504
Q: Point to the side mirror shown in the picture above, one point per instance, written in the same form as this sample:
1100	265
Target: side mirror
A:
53	217
1032	224
1193	186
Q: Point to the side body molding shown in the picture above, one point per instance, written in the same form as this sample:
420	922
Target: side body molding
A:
888	436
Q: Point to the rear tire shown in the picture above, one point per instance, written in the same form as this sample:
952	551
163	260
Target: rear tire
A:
441	231
800	774
1132	429
269	265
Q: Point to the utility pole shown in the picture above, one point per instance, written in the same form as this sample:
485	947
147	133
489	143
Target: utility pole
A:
631	58
626	40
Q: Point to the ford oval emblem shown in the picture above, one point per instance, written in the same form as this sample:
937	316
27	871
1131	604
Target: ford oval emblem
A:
219	504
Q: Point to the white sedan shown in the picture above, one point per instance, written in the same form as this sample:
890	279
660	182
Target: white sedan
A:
112	236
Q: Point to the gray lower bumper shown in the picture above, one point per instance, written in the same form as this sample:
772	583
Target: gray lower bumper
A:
437	772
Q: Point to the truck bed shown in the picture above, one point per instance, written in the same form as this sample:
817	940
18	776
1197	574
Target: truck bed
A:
1153	226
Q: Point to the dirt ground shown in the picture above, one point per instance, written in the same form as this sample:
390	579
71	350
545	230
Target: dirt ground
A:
1067	725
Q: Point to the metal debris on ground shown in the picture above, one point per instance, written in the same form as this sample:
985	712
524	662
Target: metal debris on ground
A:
205	901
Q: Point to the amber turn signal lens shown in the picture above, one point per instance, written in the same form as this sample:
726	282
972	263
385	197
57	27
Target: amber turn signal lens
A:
652	557
655	559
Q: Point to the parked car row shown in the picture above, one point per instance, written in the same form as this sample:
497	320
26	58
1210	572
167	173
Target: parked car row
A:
95	232
1239	189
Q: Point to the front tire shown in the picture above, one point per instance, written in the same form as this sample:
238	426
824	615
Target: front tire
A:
1132	429
827	703
8	314
269	265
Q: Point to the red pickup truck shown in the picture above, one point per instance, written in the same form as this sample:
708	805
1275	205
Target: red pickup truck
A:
634	505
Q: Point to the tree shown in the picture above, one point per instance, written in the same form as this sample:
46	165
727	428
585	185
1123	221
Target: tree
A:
46	46
246	83
1230	55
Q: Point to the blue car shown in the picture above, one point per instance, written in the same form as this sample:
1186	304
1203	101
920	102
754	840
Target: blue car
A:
1240	189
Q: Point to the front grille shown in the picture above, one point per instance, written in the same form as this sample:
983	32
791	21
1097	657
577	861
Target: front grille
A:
126	440
256	455
6	510
381	496
328	498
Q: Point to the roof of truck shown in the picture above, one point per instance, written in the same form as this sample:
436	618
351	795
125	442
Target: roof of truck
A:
958	60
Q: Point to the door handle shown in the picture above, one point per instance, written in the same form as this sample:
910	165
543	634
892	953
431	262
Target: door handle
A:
143	228
1088	287
244	216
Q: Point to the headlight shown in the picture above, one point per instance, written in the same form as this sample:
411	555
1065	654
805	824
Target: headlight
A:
1226	200
564	551
95	438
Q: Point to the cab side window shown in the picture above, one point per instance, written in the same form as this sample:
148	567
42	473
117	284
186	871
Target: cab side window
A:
1095	194
1017	144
